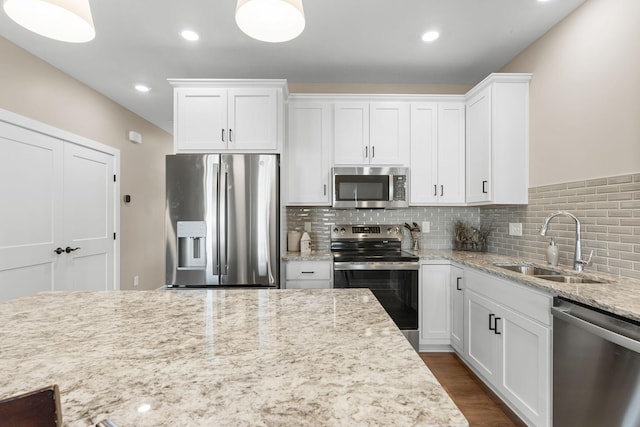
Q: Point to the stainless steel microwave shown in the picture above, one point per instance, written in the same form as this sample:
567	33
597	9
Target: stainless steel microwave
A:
370	187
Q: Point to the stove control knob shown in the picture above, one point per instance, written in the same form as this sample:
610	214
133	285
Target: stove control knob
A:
393	230
335	230
342	230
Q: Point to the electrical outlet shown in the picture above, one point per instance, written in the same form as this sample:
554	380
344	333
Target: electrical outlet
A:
515	229
426	227
307	227
136	280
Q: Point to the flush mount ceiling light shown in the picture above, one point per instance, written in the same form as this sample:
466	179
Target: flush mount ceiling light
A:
270	21
189	35
430	36
63	20
142	88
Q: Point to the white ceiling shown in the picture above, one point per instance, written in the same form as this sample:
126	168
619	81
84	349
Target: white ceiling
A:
345	41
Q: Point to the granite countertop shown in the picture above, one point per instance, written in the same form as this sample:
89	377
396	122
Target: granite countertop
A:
220	357
314	256
619	295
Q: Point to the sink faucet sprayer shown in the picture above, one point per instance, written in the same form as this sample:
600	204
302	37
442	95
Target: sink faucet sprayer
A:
578	262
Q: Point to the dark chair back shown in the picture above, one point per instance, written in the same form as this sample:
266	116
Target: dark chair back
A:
40	408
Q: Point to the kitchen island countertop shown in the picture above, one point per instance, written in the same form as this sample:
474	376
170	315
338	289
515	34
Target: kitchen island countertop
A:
219	357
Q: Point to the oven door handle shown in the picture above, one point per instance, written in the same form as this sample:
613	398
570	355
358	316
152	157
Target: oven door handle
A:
376	266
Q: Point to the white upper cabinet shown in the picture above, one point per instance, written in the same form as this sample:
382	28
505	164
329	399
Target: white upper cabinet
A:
437	153
228	115
497	135
308	154
371	133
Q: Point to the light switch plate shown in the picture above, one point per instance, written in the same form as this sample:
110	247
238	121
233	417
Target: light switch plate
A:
426	227
307	227
515	229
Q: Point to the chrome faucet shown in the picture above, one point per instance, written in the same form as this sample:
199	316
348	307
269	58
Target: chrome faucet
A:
578	262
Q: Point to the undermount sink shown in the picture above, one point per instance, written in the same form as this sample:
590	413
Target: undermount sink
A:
547	274
528	270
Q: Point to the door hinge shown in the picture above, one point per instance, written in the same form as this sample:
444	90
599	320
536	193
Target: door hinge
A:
114	178
114	236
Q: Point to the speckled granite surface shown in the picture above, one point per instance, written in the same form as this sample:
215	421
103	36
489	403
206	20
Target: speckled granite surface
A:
620	295
219	358
314	256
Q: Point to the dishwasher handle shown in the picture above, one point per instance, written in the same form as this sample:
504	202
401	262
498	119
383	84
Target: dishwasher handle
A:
606	334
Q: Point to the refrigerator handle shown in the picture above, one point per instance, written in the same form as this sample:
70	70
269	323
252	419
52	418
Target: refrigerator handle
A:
224	219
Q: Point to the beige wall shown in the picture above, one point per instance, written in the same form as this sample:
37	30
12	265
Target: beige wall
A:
33	88
585	94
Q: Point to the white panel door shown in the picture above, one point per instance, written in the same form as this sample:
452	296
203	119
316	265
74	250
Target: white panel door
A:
308	154
451	154
88	220
31	210
424	153
479	147
389	133
252	119
435	324
56	196
201	119
351	133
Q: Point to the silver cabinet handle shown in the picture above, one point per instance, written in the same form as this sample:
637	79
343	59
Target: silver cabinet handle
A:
222	135
230	135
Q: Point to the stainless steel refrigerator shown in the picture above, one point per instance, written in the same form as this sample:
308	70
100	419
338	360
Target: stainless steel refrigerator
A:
222	220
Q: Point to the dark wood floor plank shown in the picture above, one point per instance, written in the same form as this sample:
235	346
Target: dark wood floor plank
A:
478	403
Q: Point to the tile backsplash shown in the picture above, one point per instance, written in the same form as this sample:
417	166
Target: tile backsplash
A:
440	219
608	208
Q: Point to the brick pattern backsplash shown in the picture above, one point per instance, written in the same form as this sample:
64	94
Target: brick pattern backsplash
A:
608	208
440	219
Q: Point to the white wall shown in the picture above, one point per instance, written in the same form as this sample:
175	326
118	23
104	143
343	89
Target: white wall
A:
585	94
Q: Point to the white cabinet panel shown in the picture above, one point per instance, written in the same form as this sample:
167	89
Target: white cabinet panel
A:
435	323
351	133
228	115
497	147
437	153
308	154
374	133
457	308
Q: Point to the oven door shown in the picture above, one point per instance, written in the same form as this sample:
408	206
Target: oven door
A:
395	285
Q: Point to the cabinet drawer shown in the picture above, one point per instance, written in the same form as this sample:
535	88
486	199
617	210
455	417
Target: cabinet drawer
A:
309	270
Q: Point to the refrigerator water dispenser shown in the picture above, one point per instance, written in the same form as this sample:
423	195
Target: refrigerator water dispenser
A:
191	244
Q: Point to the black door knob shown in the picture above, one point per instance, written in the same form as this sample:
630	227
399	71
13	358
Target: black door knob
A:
58	250
69	250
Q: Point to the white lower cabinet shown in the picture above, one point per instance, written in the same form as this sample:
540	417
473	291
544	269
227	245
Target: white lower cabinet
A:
457	308
309	275
435	316
507	331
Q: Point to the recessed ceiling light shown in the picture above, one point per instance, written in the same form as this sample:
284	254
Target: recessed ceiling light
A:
430	36
142	88
192	36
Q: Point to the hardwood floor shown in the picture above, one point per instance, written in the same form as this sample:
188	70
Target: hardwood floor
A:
480	406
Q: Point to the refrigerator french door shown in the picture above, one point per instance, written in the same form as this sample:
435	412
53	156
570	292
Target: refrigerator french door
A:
222	220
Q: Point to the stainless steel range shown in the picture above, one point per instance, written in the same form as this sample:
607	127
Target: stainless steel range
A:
370	256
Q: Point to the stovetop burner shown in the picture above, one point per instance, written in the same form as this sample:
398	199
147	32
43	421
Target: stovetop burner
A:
369	243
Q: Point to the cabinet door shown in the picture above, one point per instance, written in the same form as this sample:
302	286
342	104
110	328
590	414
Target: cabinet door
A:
351	134
424	153
525	361
253	119
479	147
200	119
435	324
389	142
451	154
481	343
308	154
457	308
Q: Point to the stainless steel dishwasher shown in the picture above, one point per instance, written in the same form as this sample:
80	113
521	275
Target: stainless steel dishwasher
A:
596	367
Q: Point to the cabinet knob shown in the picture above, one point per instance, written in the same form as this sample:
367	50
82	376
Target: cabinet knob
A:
58	250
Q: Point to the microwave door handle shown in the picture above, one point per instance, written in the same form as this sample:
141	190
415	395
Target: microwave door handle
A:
391	193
